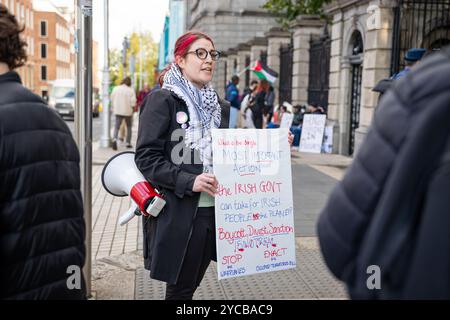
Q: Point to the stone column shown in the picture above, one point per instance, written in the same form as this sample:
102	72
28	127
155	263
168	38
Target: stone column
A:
257	45
339	73
377	60
219	76
304	27
231	62
276	38
243	51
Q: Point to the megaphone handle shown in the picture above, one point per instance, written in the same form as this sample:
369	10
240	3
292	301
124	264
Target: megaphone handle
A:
127	216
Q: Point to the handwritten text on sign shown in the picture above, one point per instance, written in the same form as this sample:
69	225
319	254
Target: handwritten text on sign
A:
254	207
312	133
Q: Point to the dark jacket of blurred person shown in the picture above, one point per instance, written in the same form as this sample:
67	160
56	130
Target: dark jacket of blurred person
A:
260	103
391	210
42	228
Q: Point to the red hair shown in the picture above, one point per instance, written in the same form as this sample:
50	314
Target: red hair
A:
263	86
182	46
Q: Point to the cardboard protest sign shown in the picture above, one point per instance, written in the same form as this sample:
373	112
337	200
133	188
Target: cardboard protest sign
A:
286	120
312	133
328	140
254	205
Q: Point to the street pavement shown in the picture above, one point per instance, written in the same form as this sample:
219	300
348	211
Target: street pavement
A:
96	127
118	271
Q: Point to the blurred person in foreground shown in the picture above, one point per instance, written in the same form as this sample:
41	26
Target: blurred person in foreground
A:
42	228
389	217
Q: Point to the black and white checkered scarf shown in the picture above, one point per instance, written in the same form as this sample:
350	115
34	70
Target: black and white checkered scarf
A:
204	112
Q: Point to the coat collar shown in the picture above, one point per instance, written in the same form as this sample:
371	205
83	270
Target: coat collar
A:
10	76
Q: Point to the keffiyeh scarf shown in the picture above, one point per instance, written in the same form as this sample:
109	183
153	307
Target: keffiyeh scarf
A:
204	113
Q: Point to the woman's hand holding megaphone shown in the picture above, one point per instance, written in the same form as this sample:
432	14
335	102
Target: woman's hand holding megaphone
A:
206	182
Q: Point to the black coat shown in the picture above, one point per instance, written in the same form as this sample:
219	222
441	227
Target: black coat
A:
258	109
42	228
166	237
392	207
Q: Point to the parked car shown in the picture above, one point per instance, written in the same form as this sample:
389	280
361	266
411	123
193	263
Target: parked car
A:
62	98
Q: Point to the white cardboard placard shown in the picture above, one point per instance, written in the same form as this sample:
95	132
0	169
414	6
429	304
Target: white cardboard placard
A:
254	205
312	133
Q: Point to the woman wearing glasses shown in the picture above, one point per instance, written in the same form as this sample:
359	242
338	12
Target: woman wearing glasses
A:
174	151
180	243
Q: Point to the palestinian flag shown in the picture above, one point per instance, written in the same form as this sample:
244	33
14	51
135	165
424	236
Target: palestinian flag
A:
264	72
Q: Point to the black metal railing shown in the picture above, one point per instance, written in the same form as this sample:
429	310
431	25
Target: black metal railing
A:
319	70
286	65
419	24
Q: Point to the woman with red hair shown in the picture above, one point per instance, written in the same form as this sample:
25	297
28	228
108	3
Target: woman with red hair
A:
174	152
180	243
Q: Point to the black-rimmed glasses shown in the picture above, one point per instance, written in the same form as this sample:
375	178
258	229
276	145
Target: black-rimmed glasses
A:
203	54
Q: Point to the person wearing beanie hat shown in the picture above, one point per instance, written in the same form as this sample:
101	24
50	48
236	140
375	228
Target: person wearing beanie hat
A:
412	56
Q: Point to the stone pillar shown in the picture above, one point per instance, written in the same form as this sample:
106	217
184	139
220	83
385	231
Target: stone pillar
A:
257	45
243	51
276	38
231	64
339	70
377	60
304	27
219	76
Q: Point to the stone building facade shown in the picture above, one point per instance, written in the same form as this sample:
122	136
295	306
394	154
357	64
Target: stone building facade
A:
336	62
229	23
361	45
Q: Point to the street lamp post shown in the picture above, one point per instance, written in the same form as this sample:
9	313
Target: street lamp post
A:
83	120
105	141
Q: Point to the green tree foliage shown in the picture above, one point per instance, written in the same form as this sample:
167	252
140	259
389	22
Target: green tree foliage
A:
138	42
288	10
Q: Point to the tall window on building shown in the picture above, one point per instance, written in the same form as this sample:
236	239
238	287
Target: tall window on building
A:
43	28
44	73
43	50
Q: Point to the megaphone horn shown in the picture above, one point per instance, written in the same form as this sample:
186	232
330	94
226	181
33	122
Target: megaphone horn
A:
121	177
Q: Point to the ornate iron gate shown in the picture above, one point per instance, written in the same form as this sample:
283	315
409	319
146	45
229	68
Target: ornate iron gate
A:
419	24
286	65
356	62
319	70
355	104
263	57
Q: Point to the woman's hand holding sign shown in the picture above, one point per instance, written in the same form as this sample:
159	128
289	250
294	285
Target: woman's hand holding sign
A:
206	182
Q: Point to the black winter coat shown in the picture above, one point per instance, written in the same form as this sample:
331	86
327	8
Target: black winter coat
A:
42	228
392	209
166	237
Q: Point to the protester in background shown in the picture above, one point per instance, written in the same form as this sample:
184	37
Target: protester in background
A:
260	105
269	101
391	209
42	230
141	96
123	100
232	96
278	116
246	107
412	57
315	108
296	127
